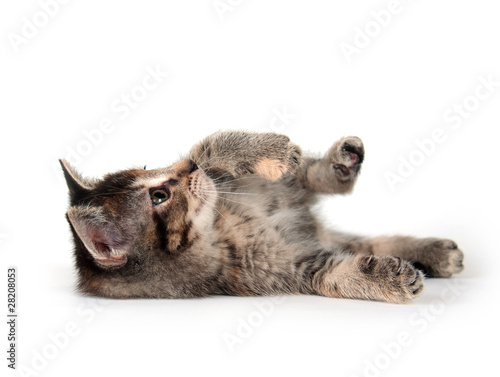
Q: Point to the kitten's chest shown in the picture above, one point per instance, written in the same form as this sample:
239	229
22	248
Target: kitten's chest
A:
257	215
250	204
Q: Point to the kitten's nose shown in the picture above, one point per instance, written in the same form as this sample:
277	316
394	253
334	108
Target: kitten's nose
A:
192	166
184	167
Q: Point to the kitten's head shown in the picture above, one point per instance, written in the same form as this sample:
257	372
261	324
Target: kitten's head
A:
125	217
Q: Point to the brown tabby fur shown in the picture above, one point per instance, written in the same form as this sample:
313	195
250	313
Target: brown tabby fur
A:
238	221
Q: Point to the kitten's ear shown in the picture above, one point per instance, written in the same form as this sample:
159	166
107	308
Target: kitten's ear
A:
103	240
77	185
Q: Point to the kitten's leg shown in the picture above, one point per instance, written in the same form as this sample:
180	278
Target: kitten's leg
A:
435	256
338	171
269	155
382	278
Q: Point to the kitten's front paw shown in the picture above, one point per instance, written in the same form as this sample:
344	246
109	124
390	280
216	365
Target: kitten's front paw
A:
283	158
394	279
441	257
346	157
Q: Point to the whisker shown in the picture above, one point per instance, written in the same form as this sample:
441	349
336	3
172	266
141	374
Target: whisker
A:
219	212
233	193
229	182
235	201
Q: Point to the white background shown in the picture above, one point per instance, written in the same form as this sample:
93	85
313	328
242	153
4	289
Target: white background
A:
236	71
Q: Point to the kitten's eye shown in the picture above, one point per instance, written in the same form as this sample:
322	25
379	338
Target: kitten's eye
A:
159	196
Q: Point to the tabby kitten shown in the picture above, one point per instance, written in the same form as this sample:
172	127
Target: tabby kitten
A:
234	217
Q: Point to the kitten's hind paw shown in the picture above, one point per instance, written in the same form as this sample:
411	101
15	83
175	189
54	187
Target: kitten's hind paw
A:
392	279
440	257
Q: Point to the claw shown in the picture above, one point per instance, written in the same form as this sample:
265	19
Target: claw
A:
344	169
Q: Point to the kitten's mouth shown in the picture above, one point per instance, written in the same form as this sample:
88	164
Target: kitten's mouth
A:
200	186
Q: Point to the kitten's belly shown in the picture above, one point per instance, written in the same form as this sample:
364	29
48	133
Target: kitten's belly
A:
261	231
